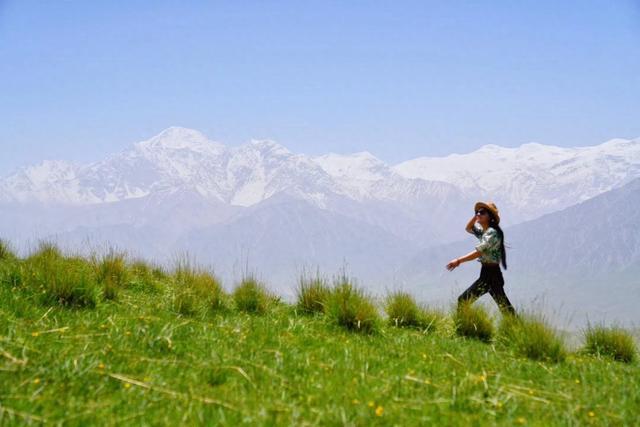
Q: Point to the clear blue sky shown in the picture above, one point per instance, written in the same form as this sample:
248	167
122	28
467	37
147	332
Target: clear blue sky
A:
82	79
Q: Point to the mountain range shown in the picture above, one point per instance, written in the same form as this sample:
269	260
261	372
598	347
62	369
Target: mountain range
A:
259	206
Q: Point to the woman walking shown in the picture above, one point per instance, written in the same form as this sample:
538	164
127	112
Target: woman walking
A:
490	252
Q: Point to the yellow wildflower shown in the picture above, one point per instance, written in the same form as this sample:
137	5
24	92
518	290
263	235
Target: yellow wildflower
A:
127	385
379	411
355	401
35	334
521	420
100	365
577	381
36	381
591	414
371	404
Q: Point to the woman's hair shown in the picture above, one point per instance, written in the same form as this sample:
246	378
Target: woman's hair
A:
503	252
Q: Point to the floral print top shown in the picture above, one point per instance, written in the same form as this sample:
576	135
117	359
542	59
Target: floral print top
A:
489	246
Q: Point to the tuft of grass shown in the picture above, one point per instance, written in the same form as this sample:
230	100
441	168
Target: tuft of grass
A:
197	287
403	312
185	301
13	273
65	281
473	322
531	336
612	342
312	295
143	277
111	273
6	252
251	296
45	251
351	308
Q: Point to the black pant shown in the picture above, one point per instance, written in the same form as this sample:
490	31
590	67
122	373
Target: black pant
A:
491	281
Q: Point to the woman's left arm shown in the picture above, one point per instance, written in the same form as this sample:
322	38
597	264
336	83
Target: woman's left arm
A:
468	257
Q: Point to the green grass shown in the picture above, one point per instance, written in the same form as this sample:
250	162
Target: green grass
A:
196	289
472	321
404	312
531	336
64	280
111	273
136	361
611	342
251	296
350	307
6	252
312	295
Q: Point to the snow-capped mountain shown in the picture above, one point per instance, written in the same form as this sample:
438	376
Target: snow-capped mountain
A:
182	160
526	182
533	179
239	176
176	158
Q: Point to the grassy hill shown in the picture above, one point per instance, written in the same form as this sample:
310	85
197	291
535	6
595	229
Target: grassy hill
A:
108	341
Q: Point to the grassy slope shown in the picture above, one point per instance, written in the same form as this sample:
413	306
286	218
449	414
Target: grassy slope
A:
136	361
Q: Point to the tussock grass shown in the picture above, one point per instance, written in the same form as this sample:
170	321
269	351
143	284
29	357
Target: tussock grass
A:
611	342
145	277
404	312
111	273
185	301
531	336
196	287
312	294
45	251
351	308
6	251
68	281
12	273
473	322
251	296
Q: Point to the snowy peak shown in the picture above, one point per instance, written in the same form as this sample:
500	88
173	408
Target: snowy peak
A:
178	138
50	170
268	148
533	179
358	166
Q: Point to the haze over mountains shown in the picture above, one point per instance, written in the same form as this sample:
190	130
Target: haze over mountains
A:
259	205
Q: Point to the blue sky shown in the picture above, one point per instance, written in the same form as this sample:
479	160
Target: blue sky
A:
80	80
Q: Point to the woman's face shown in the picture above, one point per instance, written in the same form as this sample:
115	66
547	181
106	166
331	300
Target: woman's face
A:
483	217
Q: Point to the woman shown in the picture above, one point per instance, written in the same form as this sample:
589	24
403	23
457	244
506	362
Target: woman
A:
490	252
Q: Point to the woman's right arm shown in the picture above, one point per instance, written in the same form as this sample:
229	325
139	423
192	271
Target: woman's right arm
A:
469	227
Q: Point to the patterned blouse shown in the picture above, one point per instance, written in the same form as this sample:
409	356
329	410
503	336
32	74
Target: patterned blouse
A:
489	246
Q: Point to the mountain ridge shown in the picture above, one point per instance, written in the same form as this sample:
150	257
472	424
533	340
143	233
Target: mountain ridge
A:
525	181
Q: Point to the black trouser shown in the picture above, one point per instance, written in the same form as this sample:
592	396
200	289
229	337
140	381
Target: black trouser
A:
491	281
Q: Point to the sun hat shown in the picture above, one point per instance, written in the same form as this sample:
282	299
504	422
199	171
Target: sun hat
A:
490	206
